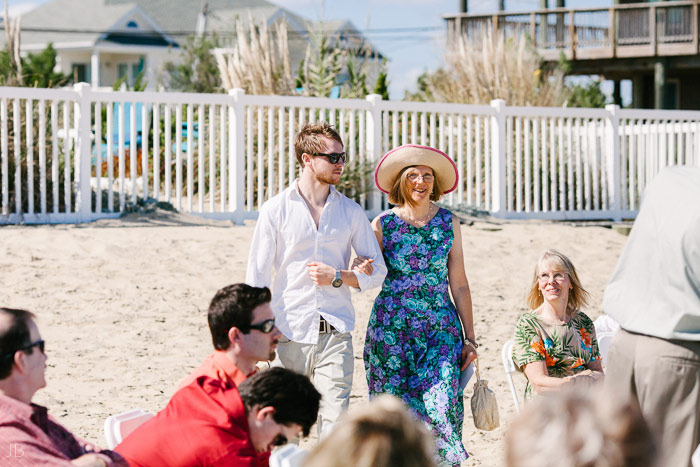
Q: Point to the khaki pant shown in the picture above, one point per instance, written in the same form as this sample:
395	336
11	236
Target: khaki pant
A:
664	376
329	364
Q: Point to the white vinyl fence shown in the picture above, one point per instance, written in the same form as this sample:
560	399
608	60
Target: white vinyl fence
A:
78	155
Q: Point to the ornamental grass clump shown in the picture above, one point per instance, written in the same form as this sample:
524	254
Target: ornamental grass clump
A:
478	70
259	61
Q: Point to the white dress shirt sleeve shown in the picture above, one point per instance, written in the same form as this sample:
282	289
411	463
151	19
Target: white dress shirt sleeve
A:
263	250
364	242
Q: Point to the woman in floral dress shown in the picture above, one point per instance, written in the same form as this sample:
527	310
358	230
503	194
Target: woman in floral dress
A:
555	341
415	346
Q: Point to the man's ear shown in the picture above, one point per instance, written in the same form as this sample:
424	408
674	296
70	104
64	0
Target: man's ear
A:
20	359
263	413
234	334
305	159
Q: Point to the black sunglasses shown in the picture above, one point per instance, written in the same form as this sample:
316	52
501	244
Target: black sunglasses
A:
265	327
279	440
39	343
333	157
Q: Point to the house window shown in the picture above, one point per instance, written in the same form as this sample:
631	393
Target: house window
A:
79	72
122	70
137	68
132	24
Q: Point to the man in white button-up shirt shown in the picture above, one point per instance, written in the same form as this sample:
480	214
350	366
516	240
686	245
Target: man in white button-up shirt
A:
305	234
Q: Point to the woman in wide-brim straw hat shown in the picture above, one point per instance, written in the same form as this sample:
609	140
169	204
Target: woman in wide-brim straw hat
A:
418	341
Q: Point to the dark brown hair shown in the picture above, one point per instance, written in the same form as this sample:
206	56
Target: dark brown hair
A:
293	396
14	337
233	306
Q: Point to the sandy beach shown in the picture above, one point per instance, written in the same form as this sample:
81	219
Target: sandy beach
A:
122	305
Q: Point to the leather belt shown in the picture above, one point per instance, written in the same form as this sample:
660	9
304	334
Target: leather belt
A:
325	327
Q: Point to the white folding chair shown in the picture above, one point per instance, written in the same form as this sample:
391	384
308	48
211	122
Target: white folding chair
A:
604	339
289	455
118	427
605	328
509	366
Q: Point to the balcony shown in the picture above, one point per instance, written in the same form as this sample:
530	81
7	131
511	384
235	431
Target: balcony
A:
639	30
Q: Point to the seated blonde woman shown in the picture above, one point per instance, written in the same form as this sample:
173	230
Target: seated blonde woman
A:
381	434
555	341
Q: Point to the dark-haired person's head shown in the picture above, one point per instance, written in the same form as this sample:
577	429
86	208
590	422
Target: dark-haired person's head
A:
279	404
22	358
237	306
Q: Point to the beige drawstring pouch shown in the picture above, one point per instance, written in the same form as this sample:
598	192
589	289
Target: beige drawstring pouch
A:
484	406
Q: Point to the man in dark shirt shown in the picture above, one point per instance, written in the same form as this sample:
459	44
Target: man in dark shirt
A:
211	423
29	436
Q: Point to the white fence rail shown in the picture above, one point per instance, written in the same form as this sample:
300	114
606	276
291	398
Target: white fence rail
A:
79	155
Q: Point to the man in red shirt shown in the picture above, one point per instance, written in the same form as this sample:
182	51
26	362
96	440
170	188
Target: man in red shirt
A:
243	331
208	423
29	436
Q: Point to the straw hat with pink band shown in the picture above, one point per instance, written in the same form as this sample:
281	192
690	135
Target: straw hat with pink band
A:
410	155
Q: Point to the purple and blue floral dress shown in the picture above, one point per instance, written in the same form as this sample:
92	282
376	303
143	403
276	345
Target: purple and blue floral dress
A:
413	344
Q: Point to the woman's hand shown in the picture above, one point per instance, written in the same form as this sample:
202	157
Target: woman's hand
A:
468	355
586	377
363	264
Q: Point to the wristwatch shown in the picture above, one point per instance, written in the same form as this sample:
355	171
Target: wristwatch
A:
337	282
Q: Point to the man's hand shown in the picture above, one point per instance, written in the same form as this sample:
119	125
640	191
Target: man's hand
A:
89	460
363	264
320	273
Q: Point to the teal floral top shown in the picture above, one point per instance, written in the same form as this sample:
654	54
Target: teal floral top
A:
566	349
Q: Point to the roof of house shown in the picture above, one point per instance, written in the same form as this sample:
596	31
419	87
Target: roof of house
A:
85	23
178	18
58	21
167	21
345	35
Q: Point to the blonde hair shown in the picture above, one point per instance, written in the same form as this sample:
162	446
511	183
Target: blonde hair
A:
400	192
579	426
578	296
380	434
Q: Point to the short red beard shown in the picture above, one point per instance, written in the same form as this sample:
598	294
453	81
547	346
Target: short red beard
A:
325	179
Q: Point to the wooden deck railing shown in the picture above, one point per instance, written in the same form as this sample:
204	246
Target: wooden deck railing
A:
631	30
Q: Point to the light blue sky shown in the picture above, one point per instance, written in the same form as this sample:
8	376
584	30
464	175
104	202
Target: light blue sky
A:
411	50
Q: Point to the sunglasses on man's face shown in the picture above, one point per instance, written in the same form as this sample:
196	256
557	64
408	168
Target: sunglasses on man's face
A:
333	157
265	327
39	343
279	440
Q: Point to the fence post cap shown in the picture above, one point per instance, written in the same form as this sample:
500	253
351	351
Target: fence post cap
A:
235	92
81	87
614	108
373	98
498	103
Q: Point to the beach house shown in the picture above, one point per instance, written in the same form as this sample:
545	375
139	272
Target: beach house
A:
652	44
101	41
